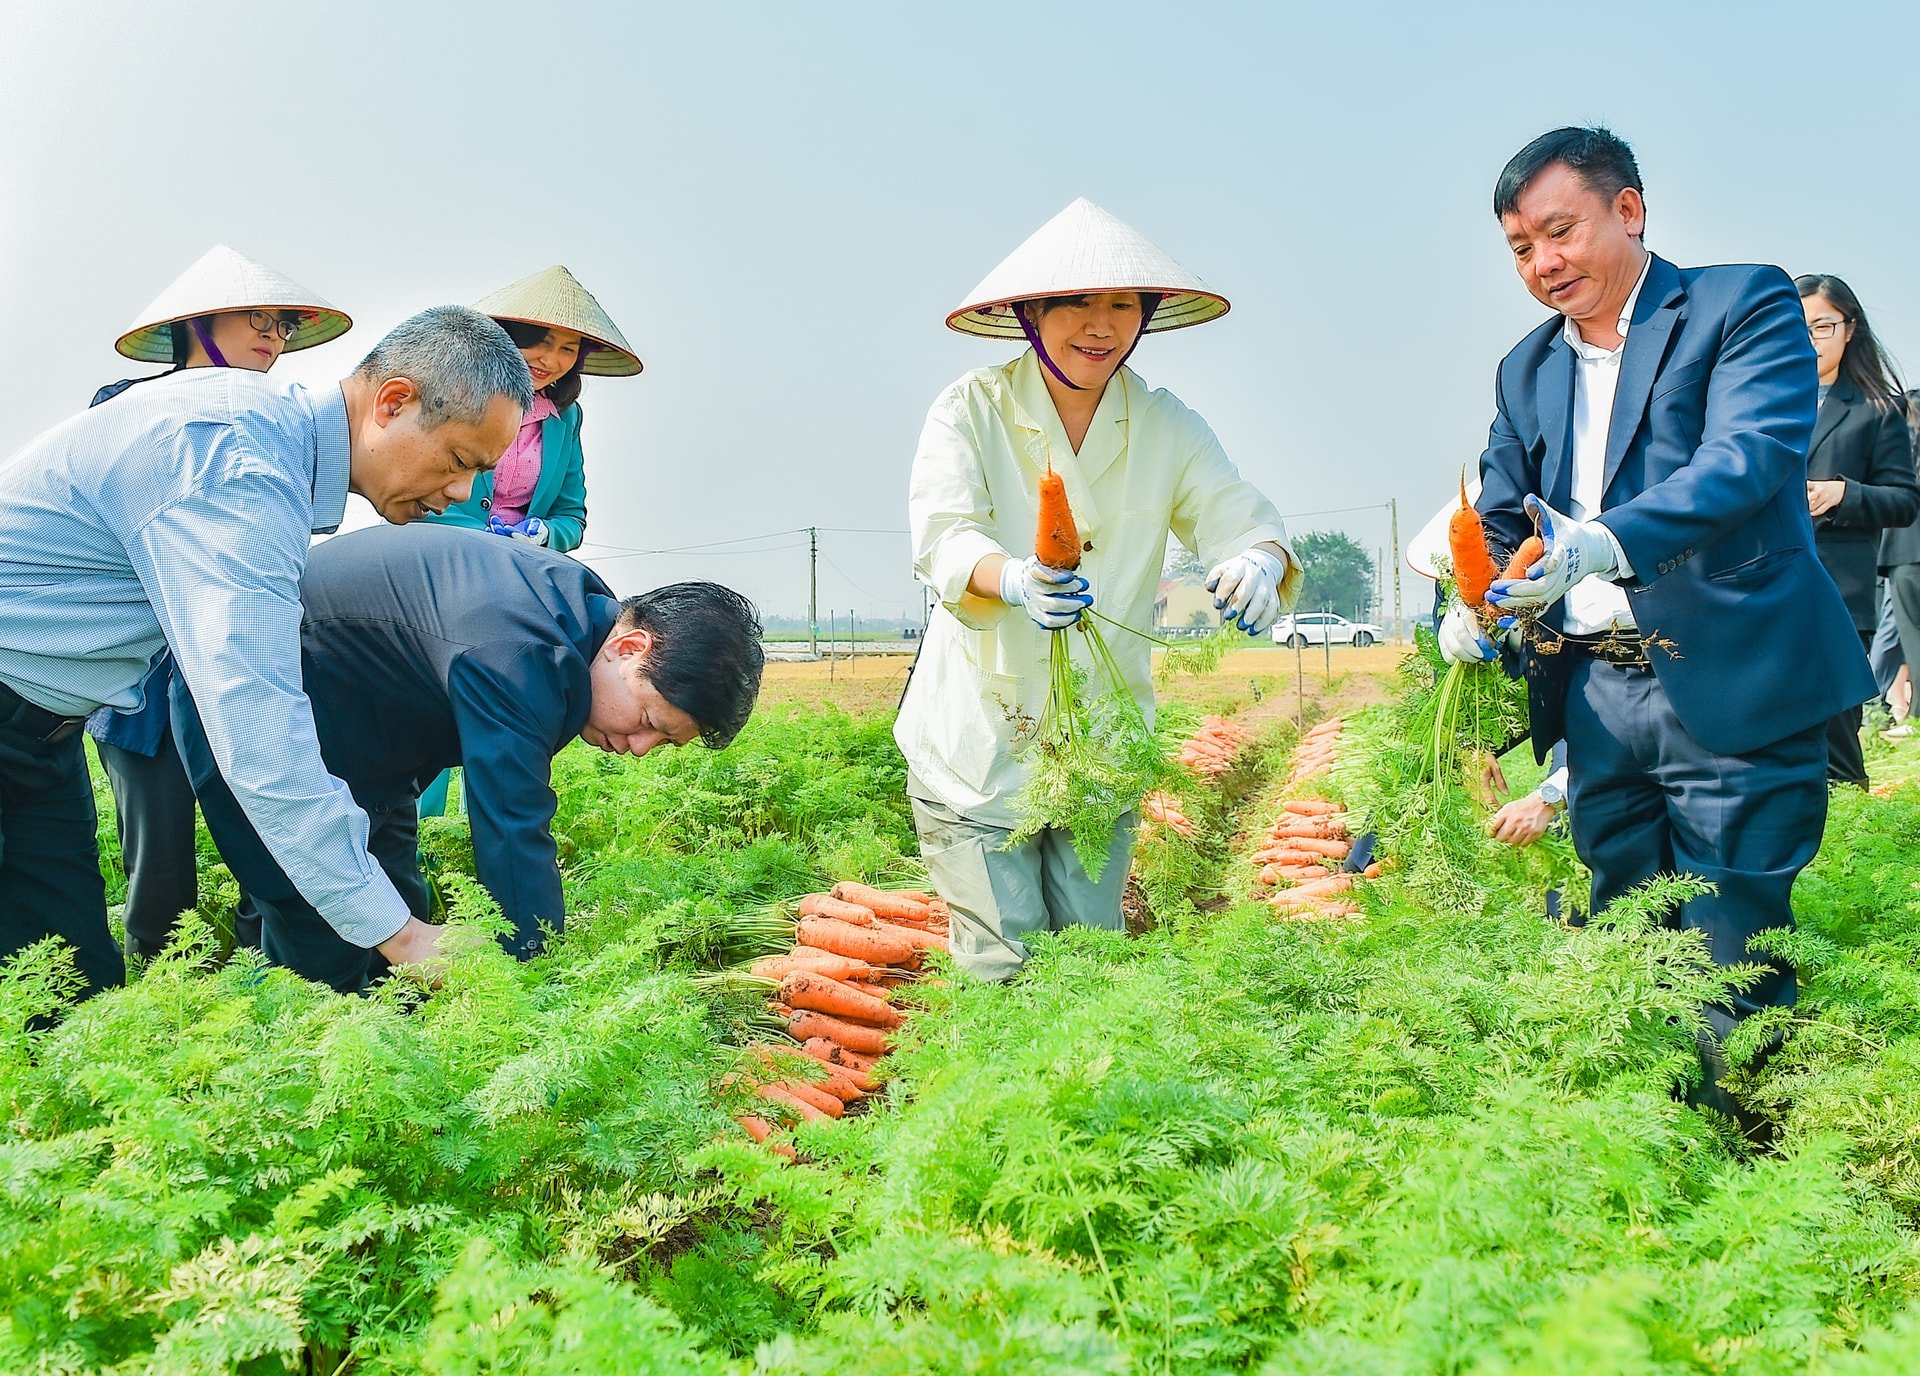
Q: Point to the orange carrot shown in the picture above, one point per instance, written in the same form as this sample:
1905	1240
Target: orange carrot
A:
1315	845
872	945
857	1066
826	963
870	1041
779	1094
1473	566
823	995
1057	542
759	1129
1312	807
1300	873
824	905
922	940
1532	548
1372	871
881	903
828	1103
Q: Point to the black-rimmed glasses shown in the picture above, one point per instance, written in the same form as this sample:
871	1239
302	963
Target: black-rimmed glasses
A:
286	326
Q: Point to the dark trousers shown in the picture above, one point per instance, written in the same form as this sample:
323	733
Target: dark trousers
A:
154	805
292	932
1647	799
1845	762
1903	593
50	882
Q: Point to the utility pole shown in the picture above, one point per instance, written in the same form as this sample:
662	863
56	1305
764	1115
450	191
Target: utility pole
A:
1393	504
813	591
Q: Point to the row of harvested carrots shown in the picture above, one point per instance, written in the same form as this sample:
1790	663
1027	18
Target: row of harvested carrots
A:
855	946
1212	750
1304	853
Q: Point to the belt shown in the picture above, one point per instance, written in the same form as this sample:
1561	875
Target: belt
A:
1624	648
37	724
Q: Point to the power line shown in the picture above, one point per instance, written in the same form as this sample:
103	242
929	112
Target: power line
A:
1332	511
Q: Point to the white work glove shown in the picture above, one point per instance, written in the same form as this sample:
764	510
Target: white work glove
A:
1462	641
1575	550
1054	598
1247	589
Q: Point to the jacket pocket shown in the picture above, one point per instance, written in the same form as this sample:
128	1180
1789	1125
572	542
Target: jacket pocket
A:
1759	568
1680	378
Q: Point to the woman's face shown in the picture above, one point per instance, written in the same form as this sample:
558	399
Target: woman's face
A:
550	358
1824	318
242	341
1087	336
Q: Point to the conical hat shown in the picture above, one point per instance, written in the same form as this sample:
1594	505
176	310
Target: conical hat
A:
1426	549
554	298
1084	249
227	281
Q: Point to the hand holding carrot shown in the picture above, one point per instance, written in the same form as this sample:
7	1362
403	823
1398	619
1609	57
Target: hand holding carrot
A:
1054	598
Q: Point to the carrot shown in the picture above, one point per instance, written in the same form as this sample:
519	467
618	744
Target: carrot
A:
921	940
1372	871
826	963
1312	807
832	1053
1057	542
780	1094
1532	548
1315	845
873	945
1294	857
828	1103
1473	566
823	995
825	905
870	1041
1299	873
1332	726
882	904
759	1129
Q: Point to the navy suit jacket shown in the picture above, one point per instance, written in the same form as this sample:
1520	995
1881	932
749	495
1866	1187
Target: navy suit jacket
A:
1705	488
423	647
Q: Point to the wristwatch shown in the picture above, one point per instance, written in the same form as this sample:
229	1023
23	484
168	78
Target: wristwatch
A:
1553	795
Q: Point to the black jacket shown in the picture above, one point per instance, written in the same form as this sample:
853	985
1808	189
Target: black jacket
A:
429	646
1901	544
1868	448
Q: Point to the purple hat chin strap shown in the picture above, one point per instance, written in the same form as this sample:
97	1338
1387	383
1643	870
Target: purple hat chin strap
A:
200	332
1150	302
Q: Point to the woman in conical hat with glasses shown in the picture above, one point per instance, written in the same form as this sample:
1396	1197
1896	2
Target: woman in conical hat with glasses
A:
226	311
538	491
1137	465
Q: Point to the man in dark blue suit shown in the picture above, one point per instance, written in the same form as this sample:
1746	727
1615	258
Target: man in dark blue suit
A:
1680	632
423	647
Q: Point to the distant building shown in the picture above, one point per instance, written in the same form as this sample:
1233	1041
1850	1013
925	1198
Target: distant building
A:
1183	604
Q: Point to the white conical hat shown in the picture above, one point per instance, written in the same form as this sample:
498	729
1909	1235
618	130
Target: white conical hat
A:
554	297
1426	549
1084	249
223	280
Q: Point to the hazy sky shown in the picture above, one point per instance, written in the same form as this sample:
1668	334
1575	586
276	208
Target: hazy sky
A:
779	203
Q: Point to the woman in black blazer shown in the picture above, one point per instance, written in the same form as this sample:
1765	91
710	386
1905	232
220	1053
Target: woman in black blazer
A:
1860	474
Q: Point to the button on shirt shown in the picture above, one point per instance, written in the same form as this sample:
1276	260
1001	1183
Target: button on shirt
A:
179	514
1597	604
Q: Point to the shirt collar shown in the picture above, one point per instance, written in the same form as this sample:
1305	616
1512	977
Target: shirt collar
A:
1592	352
541	409
333	460
1029	383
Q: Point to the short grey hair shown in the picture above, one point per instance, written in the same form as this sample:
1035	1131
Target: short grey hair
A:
458	358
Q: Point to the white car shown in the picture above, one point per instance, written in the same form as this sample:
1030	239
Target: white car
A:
1321	628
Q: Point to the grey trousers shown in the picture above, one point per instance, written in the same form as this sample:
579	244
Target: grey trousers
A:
1000	897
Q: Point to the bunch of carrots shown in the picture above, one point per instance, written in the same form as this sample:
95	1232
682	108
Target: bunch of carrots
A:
856	945
1316	752
1305	850
1161	808
1211	751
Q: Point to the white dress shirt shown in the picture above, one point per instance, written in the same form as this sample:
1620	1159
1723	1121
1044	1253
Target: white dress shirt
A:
1597	604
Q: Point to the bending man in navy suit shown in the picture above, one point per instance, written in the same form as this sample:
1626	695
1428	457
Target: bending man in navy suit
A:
1688	645
425	647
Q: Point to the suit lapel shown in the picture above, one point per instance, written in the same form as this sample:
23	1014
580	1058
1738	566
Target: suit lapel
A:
1553	392
1648	335
1832	411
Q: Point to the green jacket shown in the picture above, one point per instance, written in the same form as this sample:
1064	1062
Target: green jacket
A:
559	497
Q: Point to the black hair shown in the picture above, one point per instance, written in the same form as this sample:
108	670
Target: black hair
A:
706	657
1864	363
181	333
1599	157
564	390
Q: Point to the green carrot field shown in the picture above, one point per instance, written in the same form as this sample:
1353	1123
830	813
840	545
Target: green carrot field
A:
1438	1136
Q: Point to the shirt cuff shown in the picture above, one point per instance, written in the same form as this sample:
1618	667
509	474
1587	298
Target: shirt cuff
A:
1558	779
1623	568
377	917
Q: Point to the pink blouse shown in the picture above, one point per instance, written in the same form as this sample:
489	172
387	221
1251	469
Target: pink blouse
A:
518	471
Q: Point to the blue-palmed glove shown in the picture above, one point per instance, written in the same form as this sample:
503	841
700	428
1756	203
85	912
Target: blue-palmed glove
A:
1246	589
1575	550
1054	598
1462	641
533	528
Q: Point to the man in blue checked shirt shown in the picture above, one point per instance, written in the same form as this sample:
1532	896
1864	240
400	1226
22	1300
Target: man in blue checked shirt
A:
179	515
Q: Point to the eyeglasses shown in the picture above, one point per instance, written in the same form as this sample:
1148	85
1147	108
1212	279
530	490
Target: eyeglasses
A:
1825	329
286	326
